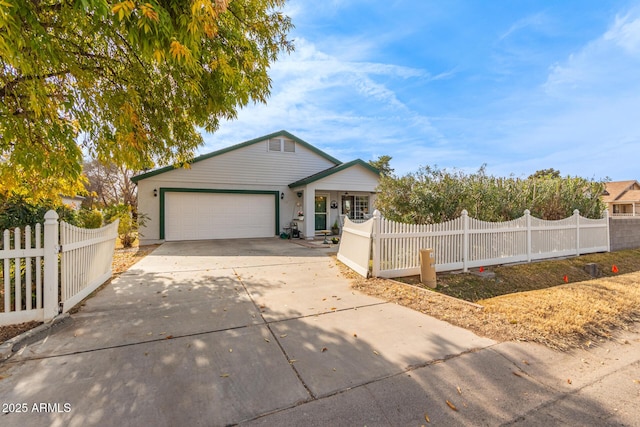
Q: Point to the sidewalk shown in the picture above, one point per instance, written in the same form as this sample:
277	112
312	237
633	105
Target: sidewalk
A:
512	384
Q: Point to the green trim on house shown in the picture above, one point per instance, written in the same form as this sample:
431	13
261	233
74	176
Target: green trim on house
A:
331	171
164	190
283	133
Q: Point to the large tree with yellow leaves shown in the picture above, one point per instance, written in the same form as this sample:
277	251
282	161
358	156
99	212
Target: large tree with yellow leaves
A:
127	82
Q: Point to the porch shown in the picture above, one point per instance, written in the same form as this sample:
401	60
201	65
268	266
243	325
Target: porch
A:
322	211
322	199
625	210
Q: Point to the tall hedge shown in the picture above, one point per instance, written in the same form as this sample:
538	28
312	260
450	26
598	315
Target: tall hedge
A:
433	195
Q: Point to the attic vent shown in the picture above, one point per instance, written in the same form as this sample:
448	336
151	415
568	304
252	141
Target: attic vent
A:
288	146
274	145
282	145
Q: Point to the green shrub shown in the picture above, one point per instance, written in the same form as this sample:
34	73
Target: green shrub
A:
90	218
16	211
129	222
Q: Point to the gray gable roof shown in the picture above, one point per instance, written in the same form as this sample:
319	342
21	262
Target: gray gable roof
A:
283	133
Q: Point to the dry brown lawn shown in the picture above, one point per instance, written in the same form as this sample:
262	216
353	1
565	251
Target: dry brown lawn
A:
561	317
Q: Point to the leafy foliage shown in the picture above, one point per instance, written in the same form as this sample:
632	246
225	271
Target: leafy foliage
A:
90	218
18	211
546	173
129	225
382	163
132	80
434	195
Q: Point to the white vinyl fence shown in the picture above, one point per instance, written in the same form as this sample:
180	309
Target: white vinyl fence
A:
355	245
466	242
29	273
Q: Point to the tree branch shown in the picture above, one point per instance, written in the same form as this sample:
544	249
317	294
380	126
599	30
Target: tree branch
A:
6	89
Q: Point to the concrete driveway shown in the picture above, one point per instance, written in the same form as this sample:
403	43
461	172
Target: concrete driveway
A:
268	332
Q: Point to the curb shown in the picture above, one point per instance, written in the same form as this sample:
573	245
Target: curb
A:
9	347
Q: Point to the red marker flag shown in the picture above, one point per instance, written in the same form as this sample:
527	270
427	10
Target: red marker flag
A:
614	268
566	279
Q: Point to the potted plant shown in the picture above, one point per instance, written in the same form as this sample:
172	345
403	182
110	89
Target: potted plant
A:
300	216
334	228
335	240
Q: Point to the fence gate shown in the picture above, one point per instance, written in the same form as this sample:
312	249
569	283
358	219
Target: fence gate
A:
355	245
39	264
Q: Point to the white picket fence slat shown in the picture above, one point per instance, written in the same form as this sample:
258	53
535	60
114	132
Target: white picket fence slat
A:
86	260
29	267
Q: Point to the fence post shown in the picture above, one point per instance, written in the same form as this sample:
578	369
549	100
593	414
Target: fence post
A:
527	215
465	240
375	270
50	303
576	213
606	217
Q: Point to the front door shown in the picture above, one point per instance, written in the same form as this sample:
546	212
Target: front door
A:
321	213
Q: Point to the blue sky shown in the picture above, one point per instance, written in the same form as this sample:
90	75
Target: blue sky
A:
516	85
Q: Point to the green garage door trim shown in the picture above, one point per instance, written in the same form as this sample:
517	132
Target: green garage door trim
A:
163	191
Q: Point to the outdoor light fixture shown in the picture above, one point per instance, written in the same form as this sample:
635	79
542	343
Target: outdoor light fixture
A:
155	192
281	196
299	194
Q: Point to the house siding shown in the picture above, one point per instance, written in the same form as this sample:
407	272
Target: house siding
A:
356	178
249	166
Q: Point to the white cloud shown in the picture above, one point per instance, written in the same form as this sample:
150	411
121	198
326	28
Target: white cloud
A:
329	101
625	33
606	66
537	21
583	119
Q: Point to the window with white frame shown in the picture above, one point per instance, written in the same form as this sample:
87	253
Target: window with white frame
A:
361	207
355	207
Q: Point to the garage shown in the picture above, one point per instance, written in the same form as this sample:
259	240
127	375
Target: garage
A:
211	214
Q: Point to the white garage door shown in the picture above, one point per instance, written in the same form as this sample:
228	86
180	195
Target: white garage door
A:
200	216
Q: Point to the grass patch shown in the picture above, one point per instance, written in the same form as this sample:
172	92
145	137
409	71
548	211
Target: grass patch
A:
571	315
509	279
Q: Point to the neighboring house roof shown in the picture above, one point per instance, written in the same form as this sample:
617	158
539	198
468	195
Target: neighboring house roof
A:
282	133
630	196
620	191
331	171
